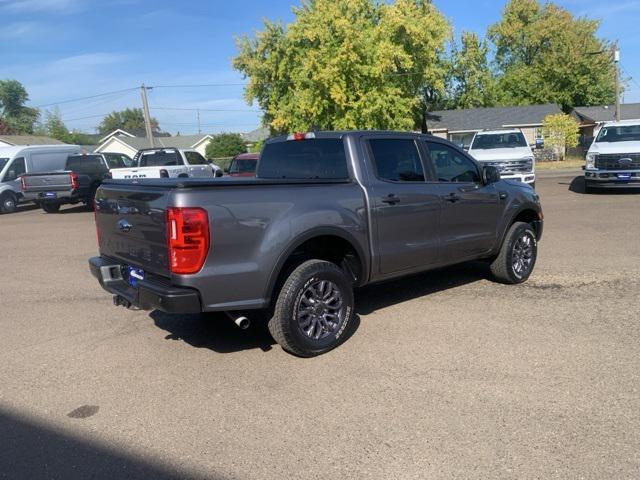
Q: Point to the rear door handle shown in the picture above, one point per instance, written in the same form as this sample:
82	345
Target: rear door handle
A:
391	199
452	197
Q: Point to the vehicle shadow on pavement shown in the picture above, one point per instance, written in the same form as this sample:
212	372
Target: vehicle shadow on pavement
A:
382	295
577	185
215	331
33	450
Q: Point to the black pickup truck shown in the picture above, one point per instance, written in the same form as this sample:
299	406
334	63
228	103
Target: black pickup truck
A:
327	212
77	183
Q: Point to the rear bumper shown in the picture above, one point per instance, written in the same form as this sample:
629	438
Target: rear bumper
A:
149	294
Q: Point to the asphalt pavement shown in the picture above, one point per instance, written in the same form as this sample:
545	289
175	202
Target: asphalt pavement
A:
448	374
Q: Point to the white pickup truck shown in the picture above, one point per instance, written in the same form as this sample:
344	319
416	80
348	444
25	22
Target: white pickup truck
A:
167	163
613	160
508	151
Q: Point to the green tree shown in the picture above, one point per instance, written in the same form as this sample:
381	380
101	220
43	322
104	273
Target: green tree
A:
346	64
15	116
561	132
544	55
257	147
472	82
53	126
127	119
225	145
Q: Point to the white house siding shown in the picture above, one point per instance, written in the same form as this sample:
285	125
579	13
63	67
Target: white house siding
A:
114	146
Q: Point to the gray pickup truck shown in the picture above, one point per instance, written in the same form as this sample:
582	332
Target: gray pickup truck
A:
327	212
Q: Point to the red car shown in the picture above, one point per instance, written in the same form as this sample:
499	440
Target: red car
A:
244	165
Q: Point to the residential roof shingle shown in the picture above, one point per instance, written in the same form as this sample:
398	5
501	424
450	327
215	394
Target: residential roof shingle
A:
606	113
488	118
181	141
29	140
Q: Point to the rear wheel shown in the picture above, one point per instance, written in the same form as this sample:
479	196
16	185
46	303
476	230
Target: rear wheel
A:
51	207
314	309
518	254
8	203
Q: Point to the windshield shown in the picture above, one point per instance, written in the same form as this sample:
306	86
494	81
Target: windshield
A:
499	140
628	133
243	166
118	161
3	163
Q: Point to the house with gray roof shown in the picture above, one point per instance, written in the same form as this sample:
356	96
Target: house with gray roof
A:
13	140
129	145
592	117
459	126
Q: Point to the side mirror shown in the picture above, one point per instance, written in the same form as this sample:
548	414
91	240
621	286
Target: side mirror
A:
490	175
539	143
218	173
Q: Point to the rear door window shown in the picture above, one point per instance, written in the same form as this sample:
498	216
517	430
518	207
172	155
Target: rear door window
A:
451	165
194	158
397	160
160	158
319	158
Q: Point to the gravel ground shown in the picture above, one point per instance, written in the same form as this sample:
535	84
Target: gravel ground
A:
447	376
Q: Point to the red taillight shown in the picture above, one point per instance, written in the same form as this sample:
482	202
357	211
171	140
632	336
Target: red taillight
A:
187	239
298	136
74	181
23	185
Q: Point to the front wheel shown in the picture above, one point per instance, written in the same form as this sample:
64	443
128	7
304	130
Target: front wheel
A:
518	254
314	309
8	203
51	207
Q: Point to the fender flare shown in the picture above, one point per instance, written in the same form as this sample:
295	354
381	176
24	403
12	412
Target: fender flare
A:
306	236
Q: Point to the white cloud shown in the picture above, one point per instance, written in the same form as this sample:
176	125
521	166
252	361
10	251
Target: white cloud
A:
18	30
31	6
87	60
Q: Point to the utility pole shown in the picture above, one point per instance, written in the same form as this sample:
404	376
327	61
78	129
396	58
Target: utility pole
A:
199	130
616	65
147	115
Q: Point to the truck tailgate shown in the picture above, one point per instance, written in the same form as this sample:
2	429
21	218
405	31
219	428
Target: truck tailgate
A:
47	182
131	223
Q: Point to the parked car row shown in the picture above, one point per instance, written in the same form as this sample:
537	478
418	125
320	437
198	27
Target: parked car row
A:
55	175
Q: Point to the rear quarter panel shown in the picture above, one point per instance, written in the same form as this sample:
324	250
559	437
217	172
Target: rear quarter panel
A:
254	227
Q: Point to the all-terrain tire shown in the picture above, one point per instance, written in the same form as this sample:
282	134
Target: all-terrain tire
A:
517	258
288	327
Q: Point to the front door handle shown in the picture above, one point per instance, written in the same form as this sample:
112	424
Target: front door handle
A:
452	197
503	195
391	199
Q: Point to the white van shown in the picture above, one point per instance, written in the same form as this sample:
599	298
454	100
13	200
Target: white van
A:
18	160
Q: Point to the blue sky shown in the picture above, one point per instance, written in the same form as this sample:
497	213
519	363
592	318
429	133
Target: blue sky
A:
64	49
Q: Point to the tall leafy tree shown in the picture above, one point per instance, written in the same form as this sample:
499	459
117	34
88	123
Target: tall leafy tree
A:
346	64
544	54
561	132
472	82
127	119
15	116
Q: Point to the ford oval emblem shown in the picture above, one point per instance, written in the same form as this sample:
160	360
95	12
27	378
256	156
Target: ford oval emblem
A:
124	226
625	160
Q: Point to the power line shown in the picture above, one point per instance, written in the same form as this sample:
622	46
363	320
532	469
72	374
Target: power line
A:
630	76
206	109
204	85
86	98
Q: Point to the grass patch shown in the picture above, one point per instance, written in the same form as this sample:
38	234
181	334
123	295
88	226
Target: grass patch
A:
572	163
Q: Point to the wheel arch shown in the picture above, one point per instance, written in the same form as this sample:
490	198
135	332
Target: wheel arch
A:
329	236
